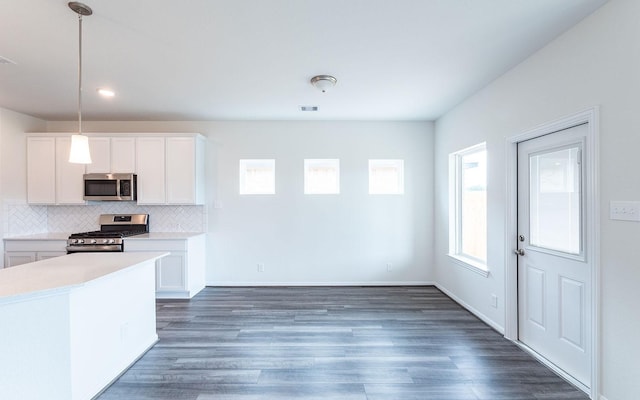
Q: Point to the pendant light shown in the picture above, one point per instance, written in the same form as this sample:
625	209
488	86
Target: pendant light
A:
79	153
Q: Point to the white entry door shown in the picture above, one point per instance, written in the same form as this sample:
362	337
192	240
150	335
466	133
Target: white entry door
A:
554	272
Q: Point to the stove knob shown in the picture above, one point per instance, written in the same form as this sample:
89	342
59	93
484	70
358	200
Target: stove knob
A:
80	240
111	241
93	241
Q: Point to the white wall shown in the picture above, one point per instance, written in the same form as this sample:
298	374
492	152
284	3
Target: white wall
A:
13	152
325	239
595	63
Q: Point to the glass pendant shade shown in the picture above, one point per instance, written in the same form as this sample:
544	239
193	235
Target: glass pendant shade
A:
79	153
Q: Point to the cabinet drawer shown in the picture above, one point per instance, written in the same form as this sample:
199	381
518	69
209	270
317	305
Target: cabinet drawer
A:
36	245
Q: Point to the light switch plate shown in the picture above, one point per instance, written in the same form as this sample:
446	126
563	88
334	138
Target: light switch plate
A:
625	210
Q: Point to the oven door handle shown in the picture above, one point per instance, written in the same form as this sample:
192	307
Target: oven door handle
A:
93	248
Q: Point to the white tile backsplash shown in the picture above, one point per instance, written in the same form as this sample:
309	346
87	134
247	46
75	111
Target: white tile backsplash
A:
24	219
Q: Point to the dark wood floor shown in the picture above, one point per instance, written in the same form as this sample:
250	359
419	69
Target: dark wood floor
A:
326	343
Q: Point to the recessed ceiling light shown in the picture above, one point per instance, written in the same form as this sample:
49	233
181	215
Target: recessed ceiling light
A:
308	108
106	92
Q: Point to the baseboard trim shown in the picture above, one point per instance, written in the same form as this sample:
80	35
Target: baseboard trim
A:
358	283
472	310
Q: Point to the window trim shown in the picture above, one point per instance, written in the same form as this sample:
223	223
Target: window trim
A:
455	220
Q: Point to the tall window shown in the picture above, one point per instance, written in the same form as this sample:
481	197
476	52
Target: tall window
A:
321	176
468	205
258	176
386	176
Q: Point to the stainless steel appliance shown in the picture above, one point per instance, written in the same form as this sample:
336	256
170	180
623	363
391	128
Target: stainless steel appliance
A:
110	187
113	228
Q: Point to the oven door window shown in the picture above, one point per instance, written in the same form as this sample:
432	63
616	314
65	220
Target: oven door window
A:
100	187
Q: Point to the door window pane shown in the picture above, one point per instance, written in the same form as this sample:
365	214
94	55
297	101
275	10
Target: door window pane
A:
554	197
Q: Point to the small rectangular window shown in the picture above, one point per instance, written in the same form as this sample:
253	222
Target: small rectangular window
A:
258	176
468	204
321	176
386	176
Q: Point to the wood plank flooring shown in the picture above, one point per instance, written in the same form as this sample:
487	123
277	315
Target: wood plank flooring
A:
326	343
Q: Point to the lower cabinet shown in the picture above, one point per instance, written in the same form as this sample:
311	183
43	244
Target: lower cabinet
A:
13	258
25	251
181	274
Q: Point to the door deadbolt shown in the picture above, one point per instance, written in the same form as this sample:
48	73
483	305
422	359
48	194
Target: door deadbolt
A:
521	238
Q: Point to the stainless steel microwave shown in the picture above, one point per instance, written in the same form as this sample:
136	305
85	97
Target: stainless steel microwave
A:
110	187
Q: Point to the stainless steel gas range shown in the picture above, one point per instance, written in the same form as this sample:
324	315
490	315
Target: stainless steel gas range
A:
113	228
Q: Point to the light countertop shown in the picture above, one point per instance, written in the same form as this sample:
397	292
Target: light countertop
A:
65	272
151	235
41	236
164	235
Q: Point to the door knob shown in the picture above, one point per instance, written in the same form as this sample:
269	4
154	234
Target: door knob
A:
519	252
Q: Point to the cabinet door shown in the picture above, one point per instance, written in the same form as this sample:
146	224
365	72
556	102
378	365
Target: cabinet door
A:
43	255
13	258
41	170
181	172
123	155
69	182
100	148
150	166
170	273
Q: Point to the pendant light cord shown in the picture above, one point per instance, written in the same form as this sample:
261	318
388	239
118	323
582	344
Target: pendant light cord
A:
80	74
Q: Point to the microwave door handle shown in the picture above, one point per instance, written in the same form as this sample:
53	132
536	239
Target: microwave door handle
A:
118	188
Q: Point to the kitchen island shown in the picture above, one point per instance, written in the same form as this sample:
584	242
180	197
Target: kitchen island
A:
72	324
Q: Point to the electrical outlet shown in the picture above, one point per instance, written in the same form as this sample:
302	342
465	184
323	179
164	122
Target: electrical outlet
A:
260	267
624	210
389	267
494	301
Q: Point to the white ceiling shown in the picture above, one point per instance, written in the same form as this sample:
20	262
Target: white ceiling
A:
252	59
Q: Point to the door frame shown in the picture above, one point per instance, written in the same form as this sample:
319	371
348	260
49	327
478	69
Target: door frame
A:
591	151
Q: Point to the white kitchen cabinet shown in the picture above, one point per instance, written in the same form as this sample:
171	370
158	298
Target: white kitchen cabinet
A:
150	167
181	274
100	149
23	251
171	274
51	178
123	155
170	169
112	155
69	182
13	258
41	172
185	170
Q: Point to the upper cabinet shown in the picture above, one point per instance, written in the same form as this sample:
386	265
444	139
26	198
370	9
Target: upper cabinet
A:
69	183
51	179
112	155
170	167
150	163
41	171
185	170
